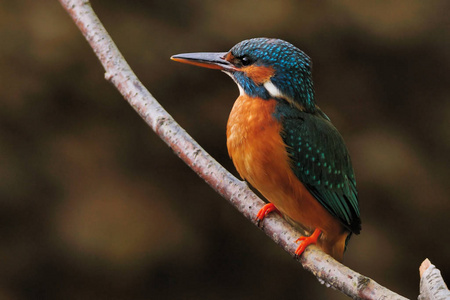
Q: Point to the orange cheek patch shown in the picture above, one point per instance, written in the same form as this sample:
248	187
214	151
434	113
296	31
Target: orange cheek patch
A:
259	74
229	57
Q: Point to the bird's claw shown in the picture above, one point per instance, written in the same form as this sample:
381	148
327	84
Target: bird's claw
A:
262	213
305	241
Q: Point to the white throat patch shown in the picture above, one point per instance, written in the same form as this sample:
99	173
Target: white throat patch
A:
276	93
273	90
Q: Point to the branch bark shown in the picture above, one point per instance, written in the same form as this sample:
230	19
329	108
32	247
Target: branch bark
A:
432	285
325	268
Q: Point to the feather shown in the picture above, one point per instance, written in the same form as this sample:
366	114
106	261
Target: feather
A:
320	160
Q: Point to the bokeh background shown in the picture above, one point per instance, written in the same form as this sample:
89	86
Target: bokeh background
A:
94	206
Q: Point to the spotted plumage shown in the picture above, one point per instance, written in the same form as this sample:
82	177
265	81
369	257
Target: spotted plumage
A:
292	67
321	162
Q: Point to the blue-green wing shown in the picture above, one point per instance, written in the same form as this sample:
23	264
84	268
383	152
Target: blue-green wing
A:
321	161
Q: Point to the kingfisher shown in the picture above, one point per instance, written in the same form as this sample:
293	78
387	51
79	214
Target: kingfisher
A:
284	145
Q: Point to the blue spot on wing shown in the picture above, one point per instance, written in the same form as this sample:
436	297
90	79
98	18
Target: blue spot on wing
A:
321	162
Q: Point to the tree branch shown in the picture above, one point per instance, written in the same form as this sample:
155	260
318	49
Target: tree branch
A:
325	268
432	285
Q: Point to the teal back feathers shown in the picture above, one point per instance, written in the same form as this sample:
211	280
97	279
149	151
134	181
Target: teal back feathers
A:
320	160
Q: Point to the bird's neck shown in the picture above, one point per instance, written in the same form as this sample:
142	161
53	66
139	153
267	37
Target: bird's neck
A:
299	94
298	91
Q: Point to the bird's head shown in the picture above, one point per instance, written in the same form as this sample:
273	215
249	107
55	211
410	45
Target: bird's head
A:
264	68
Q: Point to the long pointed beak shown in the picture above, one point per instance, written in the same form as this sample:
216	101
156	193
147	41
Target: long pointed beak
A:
211	60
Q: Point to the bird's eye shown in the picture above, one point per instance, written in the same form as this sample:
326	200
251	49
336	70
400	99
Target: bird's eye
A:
245	60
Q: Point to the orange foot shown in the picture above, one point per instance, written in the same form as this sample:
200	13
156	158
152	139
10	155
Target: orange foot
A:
268	208
306	241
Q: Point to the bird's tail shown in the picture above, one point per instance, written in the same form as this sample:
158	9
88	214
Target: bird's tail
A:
347	239
336	247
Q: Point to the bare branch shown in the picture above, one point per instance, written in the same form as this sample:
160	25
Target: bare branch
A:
325	268
432	285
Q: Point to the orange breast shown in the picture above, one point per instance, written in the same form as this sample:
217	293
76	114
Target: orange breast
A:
259	155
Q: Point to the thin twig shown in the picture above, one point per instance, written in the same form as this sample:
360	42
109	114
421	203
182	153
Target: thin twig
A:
325	268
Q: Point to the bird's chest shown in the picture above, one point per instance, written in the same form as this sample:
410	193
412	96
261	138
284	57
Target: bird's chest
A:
260	156
254	142
251	119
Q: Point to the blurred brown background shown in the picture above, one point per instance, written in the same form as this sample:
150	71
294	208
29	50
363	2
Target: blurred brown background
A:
94	206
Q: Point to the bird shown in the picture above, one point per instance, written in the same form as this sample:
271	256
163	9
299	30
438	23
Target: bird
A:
284	145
